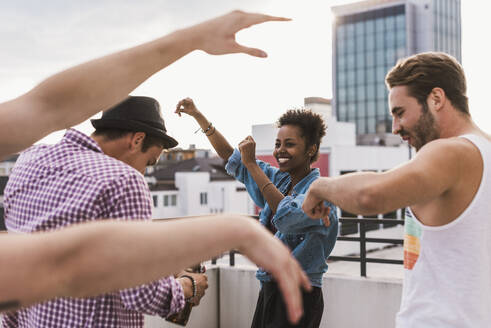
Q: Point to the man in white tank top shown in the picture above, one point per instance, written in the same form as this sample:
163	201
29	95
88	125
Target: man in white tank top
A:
446	187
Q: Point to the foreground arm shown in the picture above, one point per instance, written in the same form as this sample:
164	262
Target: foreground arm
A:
433	171
74	95
63	263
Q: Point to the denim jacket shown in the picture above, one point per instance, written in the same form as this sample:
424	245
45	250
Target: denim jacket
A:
310	241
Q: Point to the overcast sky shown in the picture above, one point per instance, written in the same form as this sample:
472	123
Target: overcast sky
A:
39	38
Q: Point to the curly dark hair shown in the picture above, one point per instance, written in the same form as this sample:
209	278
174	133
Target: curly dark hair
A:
311	124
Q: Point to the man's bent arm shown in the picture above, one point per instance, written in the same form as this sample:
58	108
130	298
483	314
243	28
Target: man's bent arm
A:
89	259
433	171
74	95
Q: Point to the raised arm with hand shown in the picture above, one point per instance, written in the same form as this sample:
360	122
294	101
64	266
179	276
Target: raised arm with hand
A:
217	140
65	259
69	97
269	191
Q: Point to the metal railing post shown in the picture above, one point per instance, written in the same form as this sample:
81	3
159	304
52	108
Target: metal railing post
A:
363	250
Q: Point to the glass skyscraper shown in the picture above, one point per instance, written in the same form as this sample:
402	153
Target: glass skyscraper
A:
369	37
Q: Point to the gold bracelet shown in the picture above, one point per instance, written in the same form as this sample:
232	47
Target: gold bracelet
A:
264	187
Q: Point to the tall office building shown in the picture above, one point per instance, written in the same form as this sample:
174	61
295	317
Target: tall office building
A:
368	38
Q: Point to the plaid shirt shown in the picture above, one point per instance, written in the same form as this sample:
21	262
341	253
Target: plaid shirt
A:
54	186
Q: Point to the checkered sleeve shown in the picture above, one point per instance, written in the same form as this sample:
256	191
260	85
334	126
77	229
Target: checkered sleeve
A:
163	297
9	320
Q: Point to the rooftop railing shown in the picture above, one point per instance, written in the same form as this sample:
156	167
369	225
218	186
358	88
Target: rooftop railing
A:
362	240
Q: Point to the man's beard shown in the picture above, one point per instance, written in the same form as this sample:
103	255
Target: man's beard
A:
424	131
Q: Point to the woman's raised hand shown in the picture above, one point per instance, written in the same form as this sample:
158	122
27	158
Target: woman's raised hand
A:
186	106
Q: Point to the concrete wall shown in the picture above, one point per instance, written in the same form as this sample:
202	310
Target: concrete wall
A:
350	302
204	316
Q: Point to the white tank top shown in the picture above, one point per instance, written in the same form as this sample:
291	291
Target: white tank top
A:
447	279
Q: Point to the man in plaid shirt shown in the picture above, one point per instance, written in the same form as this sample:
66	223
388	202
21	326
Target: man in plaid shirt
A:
62	262
85	178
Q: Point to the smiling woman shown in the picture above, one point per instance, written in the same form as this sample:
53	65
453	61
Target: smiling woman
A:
279	192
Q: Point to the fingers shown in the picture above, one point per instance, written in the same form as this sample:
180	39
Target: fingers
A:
254	18
293	300
326	211
290	286
247	141
251	51
314	211
313	206
325	218
304	281
247	20
185	105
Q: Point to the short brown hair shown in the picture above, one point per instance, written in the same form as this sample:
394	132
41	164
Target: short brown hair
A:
311	125
425	71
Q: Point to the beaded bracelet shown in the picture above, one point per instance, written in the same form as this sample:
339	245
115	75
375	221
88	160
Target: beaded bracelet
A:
193	282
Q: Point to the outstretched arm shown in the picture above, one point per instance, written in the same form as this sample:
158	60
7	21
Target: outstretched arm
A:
217	140
432	172
74	95
89	259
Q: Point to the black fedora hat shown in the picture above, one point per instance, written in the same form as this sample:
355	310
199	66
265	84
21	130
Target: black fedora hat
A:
138	114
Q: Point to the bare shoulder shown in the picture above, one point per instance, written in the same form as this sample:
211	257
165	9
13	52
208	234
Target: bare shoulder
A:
449	149
453	159
456	156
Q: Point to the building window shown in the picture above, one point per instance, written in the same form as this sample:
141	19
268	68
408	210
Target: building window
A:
203	198
155	201
166	200
173	200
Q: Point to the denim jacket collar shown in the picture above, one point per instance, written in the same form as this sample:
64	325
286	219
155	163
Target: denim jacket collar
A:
300	187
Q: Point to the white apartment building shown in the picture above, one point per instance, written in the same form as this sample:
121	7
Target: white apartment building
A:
196	186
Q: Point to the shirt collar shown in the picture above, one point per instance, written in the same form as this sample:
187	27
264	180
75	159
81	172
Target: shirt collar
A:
300	186
82	140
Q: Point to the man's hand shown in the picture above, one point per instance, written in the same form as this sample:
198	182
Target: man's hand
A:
217	36
247	149
201	285
314	206
270	253
186	106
